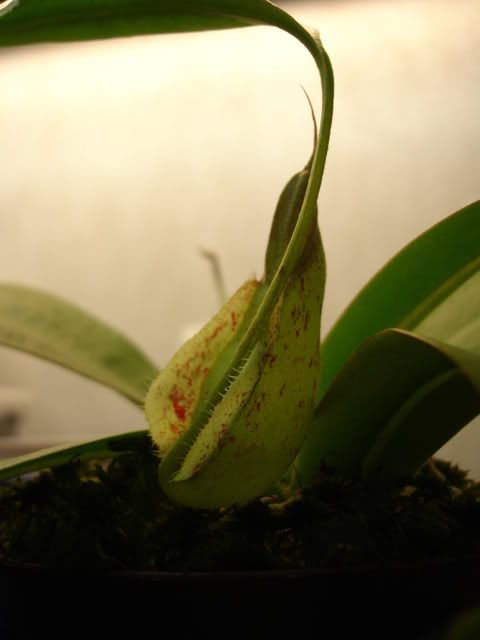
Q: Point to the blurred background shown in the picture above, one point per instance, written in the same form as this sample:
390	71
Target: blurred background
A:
121	160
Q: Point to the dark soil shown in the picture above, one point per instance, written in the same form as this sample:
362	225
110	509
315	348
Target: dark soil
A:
114	516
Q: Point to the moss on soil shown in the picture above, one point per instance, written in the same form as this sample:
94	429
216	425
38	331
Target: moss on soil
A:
113	516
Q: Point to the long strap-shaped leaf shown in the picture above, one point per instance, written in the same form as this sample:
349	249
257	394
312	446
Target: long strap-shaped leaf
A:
108	447
36	21
49	327
394	404
431	287
409	288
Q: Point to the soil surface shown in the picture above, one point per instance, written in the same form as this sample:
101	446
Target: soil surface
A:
112	515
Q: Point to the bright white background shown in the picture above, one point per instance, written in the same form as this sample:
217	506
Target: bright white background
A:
119	160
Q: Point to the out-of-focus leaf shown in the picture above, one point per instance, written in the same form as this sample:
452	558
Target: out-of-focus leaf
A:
55	330
55	456
398	399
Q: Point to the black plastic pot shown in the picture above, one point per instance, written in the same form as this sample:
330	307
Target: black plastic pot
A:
411	602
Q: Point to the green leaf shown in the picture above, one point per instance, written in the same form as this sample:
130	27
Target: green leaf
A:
49	327
416	291
398	399
456	319
55	456
34	21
